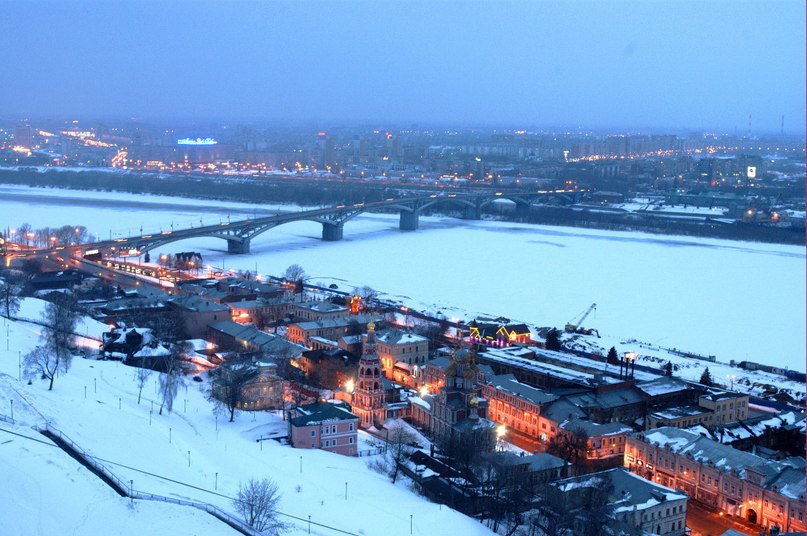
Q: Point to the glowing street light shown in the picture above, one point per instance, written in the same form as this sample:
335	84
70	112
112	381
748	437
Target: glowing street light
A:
500	431
350	386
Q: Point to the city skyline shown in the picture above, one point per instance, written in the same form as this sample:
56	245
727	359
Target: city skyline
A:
714	66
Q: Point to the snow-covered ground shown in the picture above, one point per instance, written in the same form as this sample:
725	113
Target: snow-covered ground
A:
46	492
205	458
734	300
753	382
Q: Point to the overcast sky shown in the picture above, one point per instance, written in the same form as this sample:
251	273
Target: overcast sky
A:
665	64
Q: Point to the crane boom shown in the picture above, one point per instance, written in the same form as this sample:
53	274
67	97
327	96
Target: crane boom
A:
571	327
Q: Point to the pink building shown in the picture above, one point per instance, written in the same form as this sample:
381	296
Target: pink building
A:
326	426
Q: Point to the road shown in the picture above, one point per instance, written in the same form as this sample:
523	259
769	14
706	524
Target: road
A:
706	522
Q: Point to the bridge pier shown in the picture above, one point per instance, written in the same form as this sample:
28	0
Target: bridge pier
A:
522	210
238	247
410	221
472	213
332	232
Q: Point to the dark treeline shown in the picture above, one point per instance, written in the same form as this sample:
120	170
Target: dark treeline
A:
241	189
653	224
308	192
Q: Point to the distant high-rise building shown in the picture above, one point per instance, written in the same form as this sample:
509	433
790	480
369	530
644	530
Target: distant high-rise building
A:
23	136
326	150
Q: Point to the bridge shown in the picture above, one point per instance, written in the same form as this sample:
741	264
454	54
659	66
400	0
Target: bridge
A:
239	234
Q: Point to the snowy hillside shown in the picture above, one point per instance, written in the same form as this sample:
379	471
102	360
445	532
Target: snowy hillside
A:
189	454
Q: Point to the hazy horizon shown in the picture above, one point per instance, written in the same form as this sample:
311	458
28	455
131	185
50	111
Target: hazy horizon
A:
645	66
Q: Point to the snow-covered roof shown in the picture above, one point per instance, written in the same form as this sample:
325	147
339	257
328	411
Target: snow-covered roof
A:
703	449
626	490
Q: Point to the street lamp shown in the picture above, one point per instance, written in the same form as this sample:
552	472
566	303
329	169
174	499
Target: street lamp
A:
731	378
500	431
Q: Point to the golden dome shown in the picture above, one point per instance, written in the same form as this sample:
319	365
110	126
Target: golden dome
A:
474	402
371	326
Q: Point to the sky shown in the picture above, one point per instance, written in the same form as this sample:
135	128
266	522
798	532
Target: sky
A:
704	65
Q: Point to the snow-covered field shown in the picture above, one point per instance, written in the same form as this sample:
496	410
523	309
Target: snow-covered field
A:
735	300
95	404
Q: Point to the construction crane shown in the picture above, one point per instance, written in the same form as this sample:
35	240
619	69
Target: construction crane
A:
576	327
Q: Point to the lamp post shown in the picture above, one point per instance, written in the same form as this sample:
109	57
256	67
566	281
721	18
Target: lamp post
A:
731	378
630	361
500	431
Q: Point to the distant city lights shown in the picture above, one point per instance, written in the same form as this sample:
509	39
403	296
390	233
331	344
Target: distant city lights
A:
196	141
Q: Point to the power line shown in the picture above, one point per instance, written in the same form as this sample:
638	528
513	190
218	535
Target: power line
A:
50	444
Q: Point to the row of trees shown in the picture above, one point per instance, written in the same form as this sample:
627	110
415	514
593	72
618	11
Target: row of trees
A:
49	236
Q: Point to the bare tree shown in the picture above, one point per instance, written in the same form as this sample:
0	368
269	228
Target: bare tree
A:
570	445
551	518
55	354
172	377
295	272
270	317
40	362
10	289
399	447
229	381
257	502
142	375
368	296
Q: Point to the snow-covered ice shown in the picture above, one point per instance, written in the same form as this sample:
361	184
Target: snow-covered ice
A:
734	300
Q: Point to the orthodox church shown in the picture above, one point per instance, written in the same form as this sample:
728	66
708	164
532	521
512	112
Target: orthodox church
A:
368	397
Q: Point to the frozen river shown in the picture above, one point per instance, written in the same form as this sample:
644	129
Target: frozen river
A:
735	300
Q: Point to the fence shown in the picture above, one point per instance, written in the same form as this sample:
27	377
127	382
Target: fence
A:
122	489
370	452
126	491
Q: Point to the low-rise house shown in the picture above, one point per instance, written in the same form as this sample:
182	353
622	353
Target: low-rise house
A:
250	339
499	335
667	391
333	328
133	310
123	343
318	310
764	492
197	314
250	311
611	403
524	364
727	406
434	373
331	369
633	501
264	390
783	434
605	443
326	426
681	417
400	346
60	279
531	473
514	404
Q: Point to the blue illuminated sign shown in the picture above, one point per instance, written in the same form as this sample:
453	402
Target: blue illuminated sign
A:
197	141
